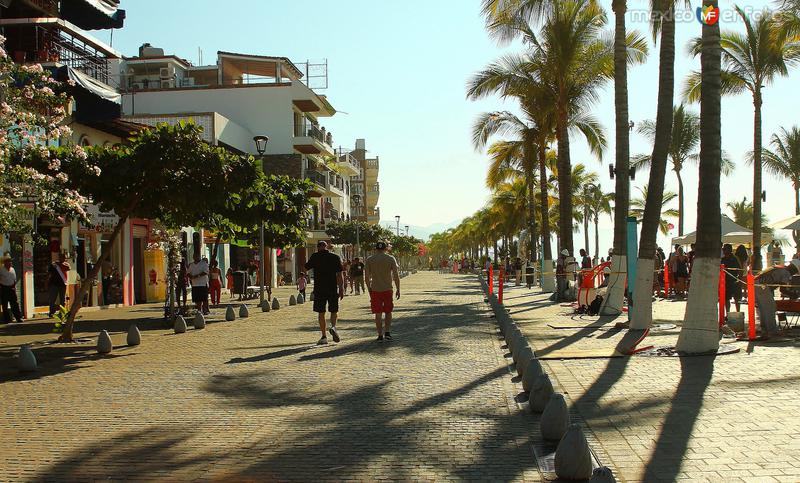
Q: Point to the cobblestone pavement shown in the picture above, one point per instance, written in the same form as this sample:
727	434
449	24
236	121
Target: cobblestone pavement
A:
726	418
256	400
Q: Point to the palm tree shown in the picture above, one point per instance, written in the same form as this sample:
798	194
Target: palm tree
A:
700	331
599	204
784	161
744	214
583	183
752	61
683	146
638	207
519	154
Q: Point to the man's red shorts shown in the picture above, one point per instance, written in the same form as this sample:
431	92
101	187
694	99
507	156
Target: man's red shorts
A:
381	302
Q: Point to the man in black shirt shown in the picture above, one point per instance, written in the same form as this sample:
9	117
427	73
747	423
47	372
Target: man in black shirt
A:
733	289
328	277
357	275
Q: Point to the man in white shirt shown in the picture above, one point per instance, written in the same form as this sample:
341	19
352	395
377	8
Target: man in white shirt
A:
198	273
8	291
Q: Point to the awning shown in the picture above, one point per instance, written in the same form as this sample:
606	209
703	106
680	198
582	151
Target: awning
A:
93	14
731	233
95	101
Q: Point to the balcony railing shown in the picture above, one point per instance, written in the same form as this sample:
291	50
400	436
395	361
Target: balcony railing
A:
345	157
337	182
306	128
372	163
317	177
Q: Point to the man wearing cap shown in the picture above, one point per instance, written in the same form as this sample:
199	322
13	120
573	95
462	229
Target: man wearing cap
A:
381	269
328	288
8	291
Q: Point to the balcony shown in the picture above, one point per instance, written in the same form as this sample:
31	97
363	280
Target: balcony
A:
319	180
373	163
58	42
337	187
347	162
310	138
374	188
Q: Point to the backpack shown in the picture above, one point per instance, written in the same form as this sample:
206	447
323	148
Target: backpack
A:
594	307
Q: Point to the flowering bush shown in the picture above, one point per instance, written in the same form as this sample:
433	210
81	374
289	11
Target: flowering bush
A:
33	109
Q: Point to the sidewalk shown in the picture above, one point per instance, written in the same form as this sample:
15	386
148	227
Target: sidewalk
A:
727	418
256	400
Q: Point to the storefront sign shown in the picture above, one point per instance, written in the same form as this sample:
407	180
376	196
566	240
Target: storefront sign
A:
100	221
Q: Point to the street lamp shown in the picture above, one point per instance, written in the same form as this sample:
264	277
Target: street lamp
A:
406	230
261	147
397	218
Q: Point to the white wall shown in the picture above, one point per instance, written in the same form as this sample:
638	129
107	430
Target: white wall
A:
260	109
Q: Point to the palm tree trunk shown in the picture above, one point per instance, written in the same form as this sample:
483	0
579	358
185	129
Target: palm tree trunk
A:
796	233
530	176
564	185
642	309
586	228
757	179
612	304
548	284
700	331
596	238
680	202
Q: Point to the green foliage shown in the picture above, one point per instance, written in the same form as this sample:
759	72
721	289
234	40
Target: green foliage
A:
344	233
61	316
405	246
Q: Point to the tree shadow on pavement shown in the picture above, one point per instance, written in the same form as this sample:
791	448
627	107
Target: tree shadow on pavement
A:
54	360
676	429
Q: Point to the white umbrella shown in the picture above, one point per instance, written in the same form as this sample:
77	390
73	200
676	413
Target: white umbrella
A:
727	226
744	237
792	223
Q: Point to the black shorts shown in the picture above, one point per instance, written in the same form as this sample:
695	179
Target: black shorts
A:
199	294
733	291
329	300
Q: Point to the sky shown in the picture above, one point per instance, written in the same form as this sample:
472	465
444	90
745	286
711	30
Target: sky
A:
397	75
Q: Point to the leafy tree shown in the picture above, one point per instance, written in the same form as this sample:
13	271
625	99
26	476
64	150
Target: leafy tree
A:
33	108
784	161
353	231
166	173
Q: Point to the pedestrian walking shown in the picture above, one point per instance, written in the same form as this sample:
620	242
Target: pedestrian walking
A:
328	288
180	288
57	283
215	283
381	270
517	272
229	280
8	292
198	273
302	283
733	289
357	275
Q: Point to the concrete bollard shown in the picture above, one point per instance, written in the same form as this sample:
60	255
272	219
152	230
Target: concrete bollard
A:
603	475
134	336
265	306
199	321
573	459
292	300
311	297
301	299
275	304
26	360
555	418
244	312
180	325
532	372
104	344
524	358
230	315
510	335
540	393
519	346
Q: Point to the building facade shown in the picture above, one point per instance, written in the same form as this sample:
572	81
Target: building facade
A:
365	184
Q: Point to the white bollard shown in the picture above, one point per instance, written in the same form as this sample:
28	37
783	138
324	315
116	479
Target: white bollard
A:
540	393
244	312
26	360
275	304
555	418
104	344
134	336
199	320
265	306
292	300
573	459
532	372
180	325
603	475
230	315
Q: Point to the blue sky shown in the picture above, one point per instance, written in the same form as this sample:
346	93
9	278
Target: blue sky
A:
397	73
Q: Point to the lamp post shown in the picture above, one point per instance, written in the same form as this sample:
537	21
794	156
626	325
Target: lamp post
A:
397	218
406	230
261	147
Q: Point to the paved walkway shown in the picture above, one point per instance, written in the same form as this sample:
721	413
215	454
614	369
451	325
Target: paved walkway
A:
726	418
255	400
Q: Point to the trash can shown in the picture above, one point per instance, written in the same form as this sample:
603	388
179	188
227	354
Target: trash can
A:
529	276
